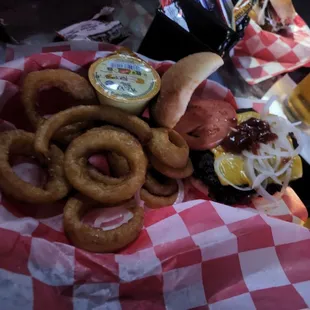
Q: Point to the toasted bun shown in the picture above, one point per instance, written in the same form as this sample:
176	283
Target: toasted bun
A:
178	84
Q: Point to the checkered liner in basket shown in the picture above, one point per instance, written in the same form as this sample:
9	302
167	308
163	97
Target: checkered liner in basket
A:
194	255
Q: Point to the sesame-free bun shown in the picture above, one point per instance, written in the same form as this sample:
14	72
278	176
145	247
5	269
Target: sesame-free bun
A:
178	84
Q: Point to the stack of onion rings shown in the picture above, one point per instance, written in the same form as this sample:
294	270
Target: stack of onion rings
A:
129	168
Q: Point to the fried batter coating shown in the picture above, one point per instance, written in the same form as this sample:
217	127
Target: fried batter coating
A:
95	239
156	202
19	142
171	172
94	141
169	147
74	84
159	185
108	114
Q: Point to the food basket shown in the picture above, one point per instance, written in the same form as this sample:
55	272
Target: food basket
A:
194	255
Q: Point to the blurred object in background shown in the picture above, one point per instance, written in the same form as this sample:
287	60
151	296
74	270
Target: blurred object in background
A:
4	36
272	44
137	17
273	15
189	26
41	20
299	102
101	28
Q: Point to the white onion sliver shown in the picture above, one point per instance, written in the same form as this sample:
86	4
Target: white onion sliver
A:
270	150
252	156
270	171
260	179
296	124
138	199
181	194
250	172
287	179
268	105
261	191
277	163
285	167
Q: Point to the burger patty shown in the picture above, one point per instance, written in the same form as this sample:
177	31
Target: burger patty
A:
203	162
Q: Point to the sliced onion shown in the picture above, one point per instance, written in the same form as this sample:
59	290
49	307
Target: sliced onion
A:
287	179
252	156
138	199
181	193
296	124
262	192
271	174
268	105
260	179
265	165
287	166
218	171
250	172
270	150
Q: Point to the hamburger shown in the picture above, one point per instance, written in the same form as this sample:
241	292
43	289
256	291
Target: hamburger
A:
236	154
246	165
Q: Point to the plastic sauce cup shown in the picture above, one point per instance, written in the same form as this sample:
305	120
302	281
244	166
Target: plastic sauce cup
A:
124	81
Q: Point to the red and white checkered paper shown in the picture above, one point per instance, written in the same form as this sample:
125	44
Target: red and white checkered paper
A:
262	55
194	255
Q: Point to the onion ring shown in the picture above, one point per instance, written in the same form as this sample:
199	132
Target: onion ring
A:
156	202
160	185
109	114
118	165
95	239
67	81
171	172
76	167
106	179
169	147
19	142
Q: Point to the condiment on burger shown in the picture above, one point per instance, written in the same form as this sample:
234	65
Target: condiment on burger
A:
125	81
248	135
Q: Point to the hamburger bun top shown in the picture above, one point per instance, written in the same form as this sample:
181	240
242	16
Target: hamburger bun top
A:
178	84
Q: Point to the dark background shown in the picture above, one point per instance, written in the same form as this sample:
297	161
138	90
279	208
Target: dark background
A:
35	21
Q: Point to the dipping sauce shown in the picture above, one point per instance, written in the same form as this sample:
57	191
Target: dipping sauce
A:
125	81
248	135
